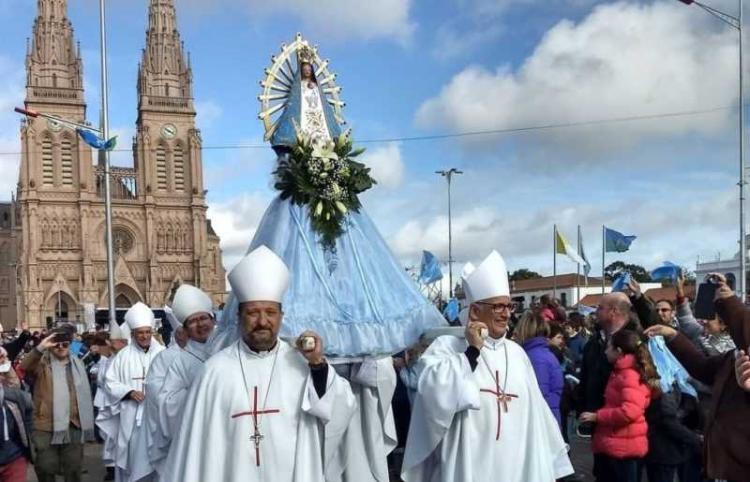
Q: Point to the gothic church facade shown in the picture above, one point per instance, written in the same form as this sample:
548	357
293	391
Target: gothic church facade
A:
52	235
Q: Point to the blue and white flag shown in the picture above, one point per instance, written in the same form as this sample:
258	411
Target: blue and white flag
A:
430	271
451	310
586	263
96	142
616	242
669	368
666	271
621	281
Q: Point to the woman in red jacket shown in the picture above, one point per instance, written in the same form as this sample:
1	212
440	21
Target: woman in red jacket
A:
621	433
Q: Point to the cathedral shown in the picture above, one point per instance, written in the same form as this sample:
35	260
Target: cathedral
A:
53	262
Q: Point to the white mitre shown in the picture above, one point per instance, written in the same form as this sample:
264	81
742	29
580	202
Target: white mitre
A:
119	332
140	316
260	276
189	300
171	318
488	280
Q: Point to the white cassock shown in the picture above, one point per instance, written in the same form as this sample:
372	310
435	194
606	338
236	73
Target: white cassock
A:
240	394
157	374
460	429
171	399
127	372
104	420
371	434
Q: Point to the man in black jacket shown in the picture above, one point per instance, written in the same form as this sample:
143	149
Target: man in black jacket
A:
613	314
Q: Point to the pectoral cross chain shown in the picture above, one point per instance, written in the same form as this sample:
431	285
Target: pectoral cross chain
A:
256	437
502	399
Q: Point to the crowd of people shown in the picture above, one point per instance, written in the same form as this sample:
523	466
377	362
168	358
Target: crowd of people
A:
658	393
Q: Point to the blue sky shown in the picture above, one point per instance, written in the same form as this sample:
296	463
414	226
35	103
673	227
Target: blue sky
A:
416	68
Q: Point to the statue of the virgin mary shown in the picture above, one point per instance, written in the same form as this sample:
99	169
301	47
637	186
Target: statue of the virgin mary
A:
354	293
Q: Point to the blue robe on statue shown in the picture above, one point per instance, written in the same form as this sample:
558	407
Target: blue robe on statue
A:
285	135
357	297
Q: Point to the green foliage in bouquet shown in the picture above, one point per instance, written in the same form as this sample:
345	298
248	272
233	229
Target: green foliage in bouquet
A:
326	178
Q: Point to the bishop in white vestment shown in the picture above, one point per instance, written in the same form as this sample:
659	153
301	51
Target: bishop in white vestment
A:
119	337
157	374
262	409
479	414
125	382
192	315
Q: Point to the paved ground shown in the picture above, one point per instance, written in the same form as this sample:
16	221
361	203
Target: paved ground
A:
93	465
580	455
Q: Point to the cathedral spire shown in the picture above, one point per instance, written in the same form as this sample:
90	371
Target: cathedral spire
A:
165	77
53	62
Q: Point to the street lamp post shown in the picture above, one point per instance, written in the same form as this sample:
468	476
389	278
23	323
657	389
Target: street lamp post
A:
448	175
736	23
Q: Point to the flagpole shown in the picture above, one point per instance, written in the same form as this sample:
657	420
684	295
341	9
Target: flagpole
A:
604	250
554	261
578	269
107	190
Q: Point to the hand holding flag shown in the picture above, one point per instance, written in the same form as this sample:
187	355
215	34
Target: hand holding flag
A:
667	271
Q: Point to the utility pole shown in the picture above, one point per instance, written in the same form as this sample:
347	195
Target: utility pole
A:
448	175
736	23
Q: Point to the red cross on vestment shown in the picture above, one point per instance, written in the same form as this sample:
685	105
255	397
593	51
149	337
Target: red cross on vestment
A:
256	437
502	399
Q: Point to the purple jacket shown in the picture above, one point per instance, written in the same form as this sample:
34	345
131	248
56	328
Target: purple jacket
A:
549	373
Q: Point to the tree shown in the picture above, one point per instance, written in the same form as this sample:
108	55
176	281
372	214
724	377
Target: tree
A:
638	272
524	273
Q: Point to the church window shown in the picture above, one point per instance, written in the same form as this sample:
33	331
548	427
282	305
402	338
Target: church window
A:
66	161
179	168
48	169
161	168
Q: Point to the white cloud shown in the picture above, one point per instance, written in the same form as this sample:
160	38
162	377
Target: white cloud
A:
386	164
208	113
338	19
235	221
675	232
221	170
622	60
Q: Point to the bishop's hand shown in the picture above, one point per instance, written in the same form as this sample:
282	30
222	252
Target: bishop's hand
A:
136	396
474	334
314	356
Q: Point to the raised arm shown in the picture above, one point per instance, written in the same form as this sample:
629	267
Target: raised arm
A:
701	367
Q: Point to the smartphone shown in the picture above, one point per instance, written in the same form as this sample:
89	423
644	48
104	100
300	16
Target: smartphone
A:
704	301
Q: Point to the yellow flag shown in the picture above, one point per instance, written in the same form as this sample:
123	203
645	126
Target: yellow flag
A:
563	247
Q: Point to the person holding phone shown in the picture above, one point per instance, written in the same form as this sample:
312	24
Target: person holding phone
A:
63	408
727	429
